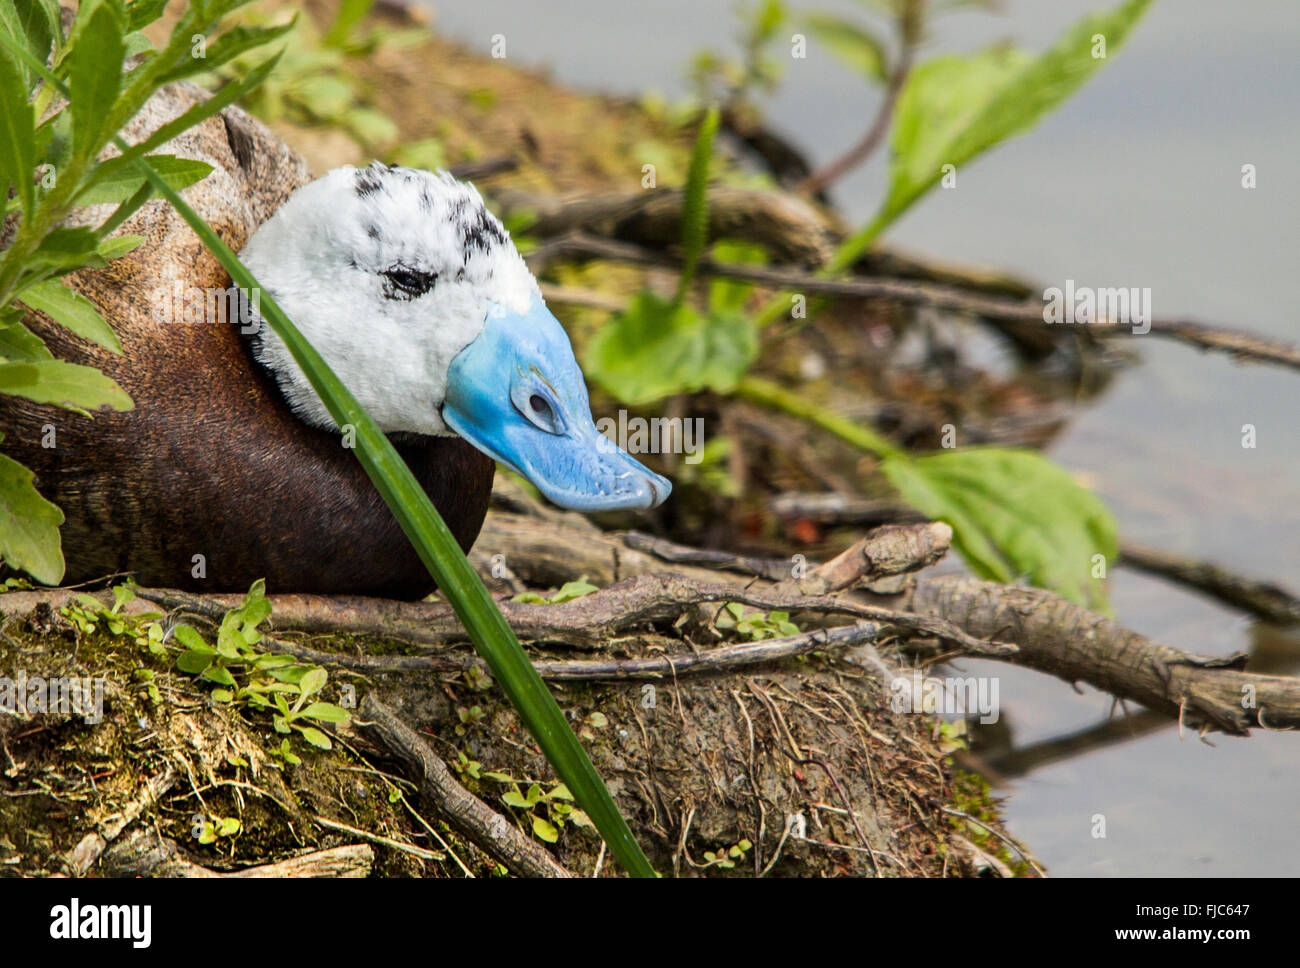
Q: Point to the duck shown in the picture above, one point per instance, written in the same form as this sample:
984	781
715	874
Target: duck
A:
229	469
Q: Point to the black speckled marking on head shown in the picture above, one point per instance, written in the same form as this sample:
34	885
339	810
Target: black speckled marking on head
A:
481	232
372	230
368	182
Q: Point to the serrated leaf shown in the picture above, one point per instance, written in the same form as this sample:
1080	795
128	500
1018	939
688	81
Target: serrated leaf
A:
29	525
657	348
63	384
1014	514
71	310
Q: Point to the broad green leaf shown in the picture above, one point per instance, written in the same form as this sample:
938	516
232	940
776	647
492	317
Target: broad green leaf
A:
545	830
657	348
29	525
1014	514
39	22
72	311
218	674
188	637
326	712
316	737
954	108
63	384
313	682
17	133
859	50
94	73
119	185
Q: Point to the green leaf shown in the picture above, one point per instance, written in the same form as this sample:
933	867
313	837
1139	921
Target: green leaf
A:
29	525
313	682
119	246
351	13
188	637
63	384
18	343
513	798
859	50
658	348
193	661
568	591
1014	514
327	712
119	185
66	248
545	830
231	44
315	737
218	674
17	133
141	13
94	73
72	311
200	112
954	108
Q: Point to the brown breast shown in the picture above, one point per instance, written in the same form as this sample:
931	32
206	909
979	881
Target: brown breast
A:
210	482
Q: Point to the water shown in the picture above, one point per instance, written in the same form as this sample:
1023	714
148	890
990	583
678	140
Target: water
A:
1135	182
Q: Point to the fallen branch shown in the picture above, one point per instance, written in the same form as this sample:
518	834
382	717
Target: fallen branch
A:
1029	329
787	226
722	658
1069	642
440	792
1259	598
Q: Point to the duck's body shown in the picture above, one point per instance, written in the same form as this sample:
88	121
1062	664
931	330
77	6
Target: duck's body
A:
228	469
211	482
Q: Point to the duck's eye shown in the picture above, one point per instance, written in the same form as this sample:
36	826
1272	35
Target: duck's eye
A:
403	283
540	406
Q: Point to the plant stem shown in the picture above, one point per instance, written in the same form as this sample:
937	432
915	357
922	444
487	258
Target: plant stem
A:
768	394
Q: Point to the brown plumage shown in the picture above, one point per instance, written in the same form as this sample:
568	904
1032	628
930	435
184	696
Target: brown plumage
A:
211	462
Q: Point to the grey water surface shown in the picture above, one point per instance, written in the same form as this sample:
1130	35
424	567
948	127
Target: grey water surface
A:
1136	181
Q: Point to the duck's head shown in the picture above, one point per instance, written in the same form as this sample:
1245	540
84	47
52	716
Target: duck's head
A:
417	299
